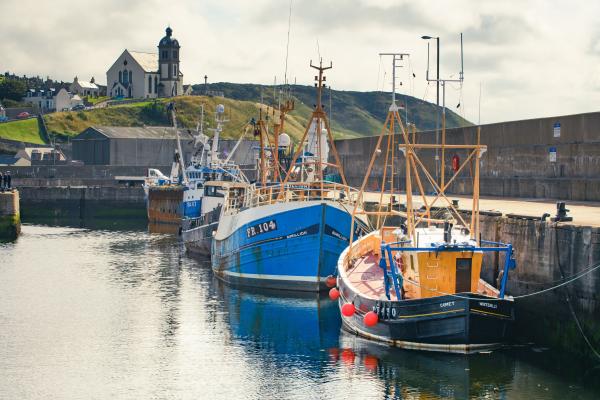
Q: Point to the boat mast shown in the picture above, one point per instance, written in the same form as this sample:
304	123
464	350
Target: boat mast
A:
392	120
319	117
284	108
180	152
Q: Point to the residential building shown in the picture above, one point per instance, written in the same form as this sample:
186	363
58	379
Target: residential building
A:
39	155
51	100
85	88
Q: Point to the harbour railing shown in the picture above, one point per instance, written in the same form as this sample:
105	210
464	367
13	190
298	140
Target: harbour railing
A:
255	196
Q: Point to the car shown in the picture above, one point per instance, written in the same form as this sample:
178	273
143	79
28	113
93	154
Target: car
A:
23	114
3	119
78	107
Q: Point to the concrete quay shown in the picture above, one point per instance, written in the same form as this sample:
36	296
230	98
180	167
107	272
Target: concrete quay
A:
555	157
10	217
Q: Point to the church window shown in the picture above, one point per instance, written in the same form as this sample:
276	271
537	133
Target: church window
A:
120	77
165	54
125	77
175	54
149	84
130	76
155	84
175	70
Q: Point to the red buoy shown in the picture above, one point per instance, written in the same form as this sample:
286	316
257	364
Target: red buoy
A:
370	319
334	294
348	356
330	281
371	362
348	309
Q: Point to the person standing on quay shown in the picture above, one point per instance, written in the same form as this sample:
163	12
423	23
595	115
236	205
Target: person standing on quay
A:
8	180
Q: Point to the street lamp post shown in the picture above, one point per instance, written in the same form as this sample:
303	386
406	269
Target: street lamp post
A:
437	98
443	82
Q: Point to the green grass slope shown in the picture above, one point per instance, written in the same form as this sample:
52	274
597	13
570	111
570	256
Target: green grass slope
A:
26	130
353	114
153	113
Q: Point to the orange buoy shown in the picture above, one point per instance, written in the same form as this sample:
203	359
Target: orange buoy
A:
348	309
370	319
334	294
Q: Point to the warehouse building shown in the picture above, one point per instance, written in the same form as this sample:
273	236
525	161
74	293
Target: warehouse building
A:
145	146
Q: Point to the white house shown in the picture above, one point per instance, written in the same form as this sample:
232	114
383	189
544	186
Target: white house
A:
137	74
41	99
84	88
51	100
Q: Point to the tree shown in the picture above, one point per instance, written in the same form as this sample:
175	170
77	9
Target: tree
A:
12	89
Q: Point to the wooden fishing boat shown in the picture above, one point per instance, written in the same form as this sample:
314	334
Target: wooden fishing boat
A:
418	284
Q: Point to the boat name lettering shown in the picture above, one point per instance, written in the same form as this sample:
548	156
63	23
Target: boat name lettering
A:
385	311
447	304
263	227
297	234
488	305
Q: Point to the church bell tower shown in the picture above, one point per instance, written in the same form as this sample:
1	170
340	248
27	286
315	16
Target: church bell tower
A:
171	79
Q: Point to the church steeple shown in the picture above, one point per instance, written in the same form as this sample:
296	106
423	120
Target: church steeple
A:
168	59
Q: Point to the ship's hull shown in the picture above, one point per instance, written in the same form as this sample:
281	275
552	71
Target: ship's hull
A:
463	323
198	240
291	246
165	207
197	233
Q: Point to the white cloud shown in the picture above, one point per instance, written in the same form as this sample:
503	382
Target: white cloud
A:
533	58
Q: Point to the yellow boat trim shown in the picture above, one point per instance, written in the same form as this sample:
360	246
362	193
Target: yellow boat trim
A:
490	313
435	313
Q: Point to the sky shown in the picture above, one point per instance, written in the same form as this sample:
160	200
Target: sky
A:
526	58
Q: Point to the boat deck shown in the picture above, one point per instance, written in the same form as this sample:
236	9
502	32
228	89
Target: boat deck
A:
366	276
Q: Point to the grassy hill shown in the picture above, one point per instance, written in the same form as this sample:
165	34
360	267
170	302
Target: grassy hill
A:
352	113
26	130
63	124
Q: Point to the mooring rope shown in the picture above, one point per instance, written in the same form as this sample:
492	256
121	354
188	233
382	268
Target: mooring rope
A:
589	271
587	341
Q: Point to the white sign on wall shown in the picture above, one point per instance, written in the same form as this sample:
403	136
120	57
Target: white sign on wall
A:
552	154
557	129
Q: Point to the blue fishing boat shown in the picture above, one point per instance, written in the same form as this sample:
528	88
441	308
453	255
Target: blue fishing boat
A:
289	235
183	201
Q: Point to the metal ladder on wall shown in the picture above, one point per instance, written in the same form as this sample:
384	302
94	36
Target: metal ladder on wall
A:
391	276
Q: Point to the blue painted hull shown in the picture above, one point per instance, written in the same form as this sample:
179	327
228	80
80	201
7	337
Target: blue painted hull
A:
295	248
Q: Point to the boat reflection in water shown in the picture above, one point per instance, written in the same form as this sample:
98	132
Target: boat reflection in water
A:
408	374
300	340
282	329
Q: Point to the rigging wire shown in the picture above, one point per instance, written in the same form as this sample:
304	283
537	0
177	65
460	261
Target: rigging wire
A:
378	74
287	46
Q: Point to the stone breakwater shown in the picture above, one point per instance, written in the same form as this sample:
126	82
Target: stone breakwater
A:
10	218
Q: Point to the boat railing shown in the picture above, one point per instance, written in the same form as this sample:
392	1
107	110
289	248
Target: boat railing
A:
255	196
393	278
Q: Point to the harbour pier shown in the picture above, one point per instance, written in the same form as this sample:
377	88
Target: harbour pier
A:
10	219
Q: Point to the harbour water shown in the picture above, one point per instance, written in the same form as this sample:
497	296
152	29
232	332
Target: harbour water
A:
115	312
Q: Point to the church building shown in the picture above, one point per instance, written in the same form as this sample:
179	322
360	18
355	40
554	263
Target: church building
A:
138	74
